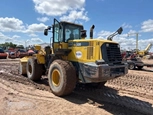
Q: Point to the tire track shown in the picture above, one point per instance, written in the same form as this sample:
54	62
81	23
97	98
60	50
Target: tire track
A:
143	84
111	96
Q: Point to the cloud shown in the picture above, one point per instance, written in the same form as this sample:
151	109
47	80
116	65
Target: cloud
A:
124	25
9	39
6	38
16	25
147	26
22	42
35	28
127	43
36	40
33	41
57	7
132	33
11	24
73	15
122	39
67	9
3	37
15	36
104	34
33	35
43	19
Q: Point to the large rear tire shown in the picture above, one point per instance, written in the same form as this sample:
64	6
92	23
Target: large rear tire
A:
62	77
34	70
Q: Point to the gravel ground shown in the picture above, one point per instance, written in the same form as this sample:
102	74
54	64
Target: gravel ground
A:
128	95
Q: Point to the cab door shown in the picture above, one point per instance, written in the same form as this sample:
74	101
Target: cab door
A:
56	34
58	38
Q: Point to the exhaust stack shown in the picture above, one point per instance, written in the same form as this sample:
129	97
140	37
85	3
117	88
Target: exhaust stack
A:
91	31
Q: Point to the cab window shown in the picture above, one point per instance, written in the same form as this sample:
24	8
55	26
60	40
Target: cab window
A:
72	32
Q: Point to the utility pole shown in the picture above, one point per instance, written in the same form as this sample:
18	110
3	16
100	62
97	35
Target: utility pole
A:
136	40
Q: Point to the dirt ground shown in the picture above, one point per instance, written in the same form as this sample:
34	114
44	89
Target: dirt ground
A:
21	99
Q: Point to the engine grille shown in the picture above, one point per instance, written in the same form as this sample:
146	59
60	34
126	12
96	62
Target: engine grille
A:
90	51
111	53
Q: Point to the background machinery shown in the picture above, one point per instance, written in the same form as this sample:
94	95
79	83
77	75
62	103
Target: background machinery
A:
144	52
73	59
141	53
132	59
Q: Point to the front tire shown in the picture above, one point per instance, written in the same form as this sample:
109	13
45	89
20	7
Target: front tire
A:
34	70
62	77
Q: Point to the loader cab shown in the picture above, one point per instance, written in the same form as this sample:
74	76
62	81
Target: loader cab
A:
62	32
65	31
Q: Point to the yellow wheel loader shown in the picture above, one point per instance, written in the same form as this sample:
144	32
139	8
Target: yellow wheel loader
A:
72	59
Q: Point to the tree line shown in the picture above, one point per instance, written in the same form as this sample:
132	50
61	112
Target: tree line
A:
7	45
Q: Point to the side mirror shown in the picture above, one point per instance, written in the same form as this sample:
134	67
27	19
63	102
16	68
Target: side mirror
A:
49	27
120	30
46	32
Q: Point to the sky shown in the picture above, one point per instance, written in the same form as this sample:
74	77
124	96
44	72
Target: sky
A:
23	21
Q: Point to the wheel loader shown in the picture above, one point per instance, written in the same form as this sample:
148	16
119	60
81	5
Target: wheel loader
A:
72	59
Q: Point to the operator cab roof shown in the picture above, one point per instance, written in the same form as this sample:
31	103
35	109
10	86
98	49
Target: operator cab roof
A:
65	22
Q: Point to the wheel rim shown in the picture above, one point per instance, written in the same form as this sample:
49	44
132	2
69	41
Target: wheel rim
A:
131	66
55	77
